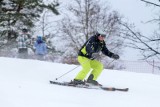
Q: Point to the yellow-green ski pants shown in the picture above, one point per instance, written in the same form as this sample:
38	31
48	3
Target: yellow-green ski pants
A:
87	65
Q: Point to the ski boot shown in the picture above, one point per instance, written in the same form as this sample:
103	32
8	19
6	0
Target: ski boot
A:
77	82
93	82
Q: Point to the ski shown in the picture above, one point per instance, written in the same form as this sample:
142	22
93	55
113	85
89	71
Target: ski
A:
88	86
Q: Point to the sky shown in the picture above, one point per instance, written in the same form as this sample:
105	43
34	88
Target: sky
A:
133	11
137	12
25	83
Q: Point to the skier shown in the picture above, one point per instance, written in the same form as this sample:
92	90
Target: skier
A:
23	42
40	48
87	60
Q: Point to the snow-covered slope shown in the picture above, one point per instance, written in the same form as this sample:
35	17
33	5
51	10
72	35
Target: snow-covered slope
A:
25	83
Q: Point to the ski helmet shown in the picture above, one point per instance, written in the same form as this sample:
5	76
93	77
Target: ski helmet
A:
101	33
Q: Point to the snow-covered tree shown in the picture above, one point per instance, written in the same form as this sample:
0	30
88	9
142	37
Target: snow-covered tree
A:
18	14
22	13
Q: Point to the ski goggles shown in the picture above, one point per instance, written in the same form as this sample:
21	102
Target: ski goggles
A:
103	35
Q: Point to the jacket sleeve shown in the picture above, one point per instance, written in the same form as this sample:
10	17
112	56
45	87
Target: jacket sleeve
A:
28	40
35	46
45	48
106	51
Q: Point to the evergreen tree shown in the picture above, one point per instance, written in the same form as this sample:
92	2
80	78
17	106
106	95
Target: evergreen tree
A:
23	12
16	15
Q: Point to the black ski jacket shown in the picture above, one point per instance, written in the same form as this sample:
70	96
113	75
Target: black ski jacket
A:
93	45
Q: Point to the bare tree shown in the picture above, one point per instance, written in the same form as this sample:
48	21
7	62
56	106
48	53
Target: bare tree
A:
83	19
44	23
149	46
155	20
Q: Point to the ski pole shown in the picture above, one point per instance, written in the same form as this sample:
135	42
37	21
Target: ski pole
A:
67	72
110	63
72	69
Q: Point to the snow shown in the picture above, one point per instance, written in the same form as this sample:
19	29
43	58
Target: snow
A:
141	66
25	83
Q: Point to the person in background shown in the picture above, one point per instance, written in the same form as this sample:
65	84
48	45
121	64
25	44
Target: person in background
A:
23	43
40	48
87	59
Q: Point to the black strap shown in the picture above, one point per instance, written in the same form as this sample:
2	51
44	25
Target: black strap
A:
81	54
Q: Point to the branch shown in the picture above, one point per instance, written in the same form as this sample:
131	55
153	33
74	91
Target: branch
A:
150	3
149	47
155	40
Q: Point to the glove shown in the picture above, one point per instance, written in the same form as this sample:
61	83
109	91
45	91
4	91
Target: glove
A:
115	56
